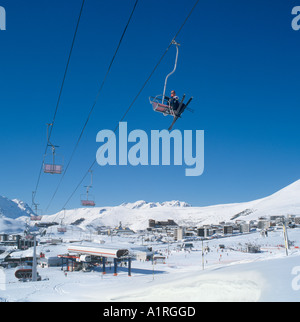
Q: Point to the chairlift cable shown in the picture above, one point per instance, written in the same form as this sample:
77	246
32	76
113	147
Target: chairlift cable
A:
94	104
136	97
59	96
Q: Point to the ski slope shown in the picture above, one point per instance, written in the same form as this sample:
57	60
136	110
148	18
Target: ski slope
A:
228	275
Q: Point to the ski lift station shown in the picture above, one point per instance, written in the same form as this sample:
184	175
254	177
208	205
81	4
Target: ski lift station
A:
103	254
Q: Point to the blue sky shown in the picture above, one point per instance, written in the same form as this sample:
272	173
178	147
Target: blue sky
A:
239	60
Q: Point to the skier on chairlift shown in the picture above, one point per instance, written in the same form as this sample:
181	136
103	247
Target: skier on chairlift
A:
174	101
170	106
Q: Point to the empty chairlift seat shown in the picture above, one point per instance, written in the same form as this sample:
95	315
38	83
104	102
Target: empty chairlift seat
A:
51	165
53	168
61	229
88	203
88	200
36	218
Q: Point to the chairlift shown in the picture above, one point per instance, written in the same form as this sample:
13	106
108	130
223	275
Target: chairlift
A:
161	103
88	200
62	228
51	167
37	212
36	218
88	203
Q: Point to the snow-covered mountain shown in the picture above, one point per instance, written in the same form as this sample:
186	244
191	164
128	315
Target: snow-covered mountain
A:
147	205
136	215
10	212
14	208
11	226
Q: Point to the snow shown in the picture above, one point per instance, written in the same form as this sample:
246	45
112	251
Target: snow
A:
136	215
10	226
228	274
14	208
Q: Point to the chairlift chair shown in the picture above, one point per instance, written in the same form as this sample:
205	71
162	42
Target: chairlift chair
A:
51	167
161	103
62	228
89	201
161	106
37	216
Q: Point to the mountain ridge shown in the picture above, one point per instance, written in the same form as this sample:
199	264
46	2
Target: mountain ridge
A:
14	208
136	215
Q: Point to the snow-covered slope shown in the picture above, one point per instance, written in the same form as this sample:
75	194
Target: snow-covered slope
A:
14	208
136	215
11	226
10	212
